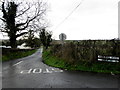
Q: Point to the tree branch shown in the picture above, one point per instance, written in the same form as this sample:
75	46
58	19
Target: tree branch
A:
18	35
5	31
20	24
27	23
3	19
3	10
23	12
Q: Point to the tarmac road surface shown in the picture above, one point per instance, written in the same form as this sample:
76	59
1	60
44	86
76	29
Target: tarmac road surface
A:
31	72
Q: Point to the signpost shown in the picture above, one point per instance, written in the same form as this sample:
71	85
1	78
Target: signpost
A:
62	37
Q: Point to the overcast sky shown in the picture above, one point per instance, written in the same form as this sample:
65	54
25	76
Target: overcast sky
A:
93	19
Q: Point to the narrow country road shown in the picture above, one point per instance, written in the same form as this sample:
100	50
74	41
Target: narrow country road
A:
31	72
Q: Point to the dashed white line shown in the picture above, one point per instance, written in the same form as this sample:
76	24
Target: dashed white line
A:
17	63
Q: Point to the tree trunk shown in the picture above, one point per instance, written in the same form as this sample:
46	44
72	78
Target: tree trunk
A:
13	43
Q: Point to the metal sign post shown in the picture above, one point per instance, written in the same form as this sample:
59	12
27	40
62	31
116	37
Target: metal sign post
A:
62	37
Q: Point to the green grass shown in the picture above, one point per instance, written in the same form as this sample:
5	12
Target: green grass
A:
16	55
101	67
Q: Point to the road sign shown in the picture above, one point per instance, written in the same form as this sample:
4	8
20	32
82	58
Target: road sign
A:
62	36
108	58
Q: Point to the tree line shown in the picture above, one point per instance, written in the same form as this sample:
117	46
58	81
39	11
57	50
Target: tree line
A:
23	20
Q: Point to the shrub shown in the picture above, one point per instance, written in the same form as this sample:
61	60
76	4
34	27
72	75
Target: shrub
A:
85	50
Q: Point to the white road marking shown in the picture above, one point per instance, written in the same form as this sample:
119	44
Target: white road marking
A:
53	69
21	72
26	71
30	71
59	71
47	71
39	70
112	73
17	63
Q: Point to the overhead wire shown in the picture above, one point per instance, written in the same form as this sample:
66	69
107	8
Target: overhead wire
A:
69	14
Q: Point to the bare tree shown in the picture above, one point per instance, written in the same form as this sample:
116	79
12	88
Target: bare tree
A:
19	17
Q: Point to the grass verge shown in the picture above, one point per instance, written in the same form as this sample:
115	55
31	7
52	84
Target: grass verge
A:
100	67
17	54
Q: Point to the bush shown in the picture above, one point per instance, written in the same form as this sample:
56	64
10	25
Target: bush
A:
86	50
